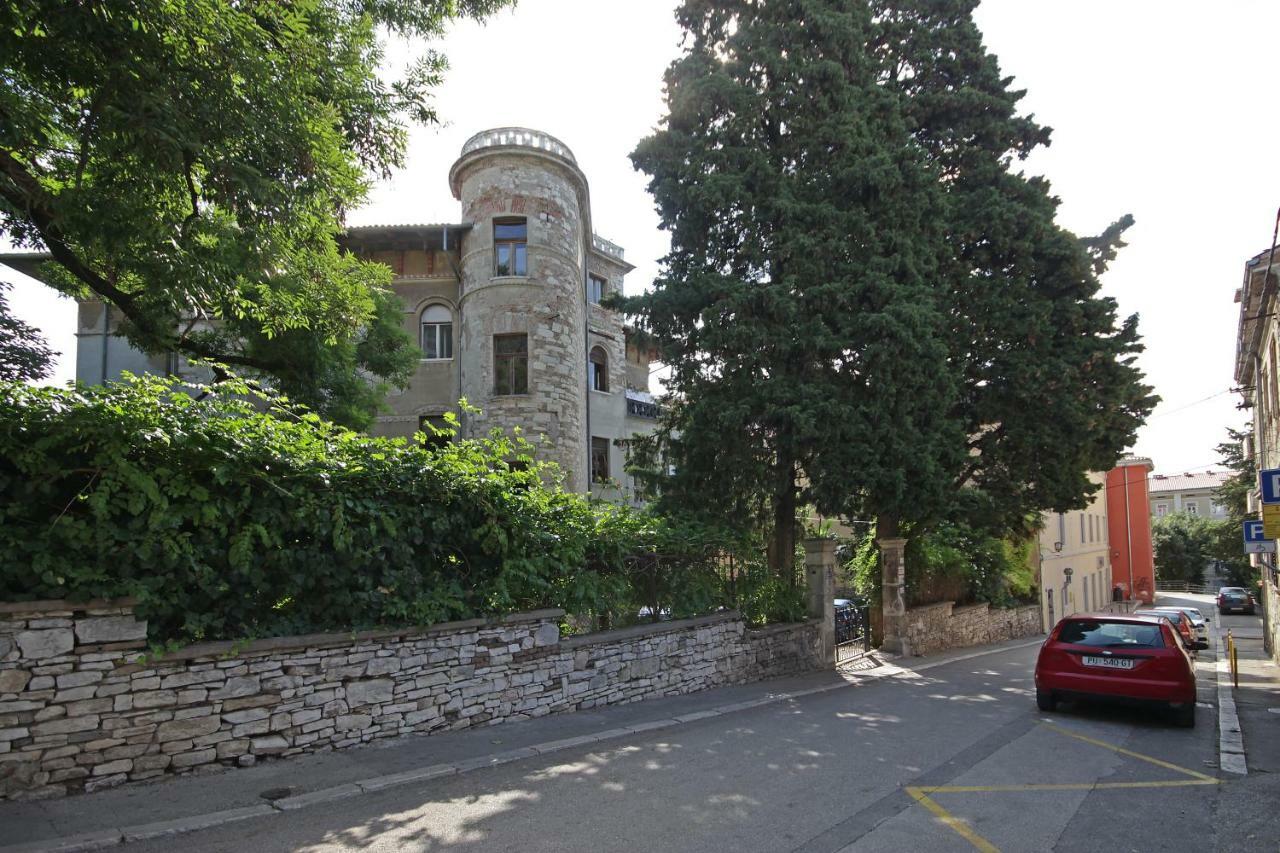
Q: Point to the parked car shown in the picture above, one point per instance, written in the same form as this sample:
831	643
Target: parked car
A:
1198	619
1199	630
848	620
1127	658
1181	623
1235	599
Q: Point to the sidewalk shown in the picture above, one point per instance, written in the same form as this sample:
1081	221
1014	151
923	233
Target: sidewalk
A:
1247	807
182	804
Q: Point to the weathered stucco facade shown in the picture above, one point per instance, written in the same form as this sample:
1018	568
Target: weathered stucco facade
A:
583	379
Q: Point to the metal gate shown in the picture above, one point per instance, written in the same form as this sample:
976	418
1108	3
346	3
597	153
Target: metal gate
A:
853	630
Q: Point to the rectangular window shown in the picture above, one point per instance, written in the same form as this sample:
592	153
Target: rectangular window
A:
596	289
510	247
599	460
1192	507
1162	510
435	431
1091	532
1082	539
510	364
437	340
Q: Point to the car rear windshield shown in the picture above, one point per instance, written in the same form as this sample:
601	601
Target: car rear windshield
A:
1083	632
1234	596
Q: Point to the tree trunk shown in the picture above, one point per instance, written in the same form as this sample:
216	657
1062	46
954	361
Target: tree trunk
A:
782	543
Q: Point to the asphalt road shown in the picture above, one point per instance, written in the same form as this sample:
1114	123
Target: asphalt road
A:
869	768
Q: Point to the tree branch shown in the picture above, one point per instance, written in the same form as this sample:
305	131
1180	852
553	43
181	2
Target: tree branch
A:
21	189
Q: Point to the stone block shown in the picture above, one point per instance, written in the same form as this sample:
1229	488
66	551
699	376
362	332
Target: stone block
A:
155	699
231	748
110	629
247	685
187	729
13	680
246	716
191	759
370	692
124	765
187	679
270	745
13	734
383	666
250	702
257	727
152	762
353	721
38	645
66	725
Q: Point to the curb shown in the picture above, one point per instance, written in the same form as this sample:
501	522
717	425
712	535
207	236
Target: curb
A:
103	839
1231	755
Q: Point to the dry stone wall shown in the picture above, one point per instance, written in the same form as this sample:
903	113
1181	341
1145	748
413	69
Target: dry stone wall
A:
938	627
82	707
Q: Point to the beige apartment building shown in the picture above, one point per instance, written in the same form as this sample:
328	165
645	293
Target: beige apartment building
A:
1195	494
1074	559
1257	374
505	307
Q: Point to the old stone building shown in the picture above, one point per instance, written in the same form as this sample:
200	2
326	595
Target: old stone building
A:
505	307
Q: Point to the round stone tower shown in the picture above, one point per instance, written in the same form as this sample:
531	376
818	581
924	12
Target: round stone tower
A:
522	305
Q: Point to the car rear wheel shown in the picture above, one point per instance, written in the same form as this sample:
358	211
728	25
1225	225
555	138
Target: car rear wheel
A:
1185	716
1046	701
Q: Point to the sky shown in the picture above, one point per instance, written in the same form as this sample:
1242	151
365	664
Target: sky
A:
1158	107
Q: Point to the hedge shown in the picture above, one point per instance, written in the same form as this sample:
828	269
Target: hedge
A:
233	514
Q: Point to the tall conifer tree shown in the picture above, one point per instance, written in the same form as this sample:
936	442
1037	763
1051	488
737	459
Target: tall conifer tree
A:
1048	385
796	308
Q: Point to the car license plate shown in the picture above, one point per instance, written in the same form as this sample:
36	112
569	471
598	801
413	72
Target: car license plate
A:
1112	663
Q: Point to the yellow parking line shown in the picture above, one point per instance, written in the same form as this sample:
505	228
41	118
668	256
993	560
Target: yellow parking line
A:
1070	786
959	826
1138	755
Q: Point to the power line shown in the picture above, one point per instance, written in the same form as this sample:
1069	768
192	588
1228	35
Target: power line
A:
1194	403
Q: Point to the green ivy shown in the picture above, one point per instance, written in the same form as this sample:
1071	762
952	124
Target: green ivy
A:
234	514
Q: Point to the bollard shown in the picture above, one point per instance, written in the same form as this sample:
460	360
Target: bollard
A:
1235	669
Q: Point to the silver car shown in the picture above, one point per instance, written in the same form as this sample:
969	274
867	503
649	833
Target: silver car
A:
1200	623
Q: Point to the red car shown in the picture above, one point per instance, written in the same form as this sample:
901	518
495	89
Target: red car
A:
1126	658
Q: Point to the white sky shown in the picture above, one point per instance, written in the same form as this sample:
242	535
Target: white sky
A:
1159	109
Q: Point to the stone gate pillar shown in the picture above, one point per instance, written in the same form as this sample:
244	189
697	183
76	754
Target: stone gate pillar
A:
820	576
893	595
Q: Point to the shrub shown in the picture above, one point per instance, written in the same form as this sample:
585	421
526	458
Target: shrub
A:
950	562
237	515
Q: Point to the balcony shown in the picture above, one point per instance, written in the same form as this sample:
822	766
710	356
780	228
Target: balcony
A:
641	405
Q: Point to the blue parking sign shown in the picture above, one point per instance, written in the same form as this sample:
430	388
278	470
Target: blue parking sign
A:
1269	484
1255	540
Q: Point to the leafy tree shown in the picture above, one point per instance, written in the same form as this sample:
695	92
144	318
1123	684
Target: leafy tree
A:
24	355
1233	497
1048	387
977	375
1183	546
806	350
189	162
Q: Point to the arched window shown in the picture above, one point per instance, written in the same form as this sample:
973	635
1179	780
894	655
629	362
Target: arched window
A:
599	367
437	332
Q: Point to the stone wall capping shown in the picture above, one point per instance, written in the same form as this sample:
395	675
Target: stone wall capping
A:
550	613
651	630
45	606
227	648
780	628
